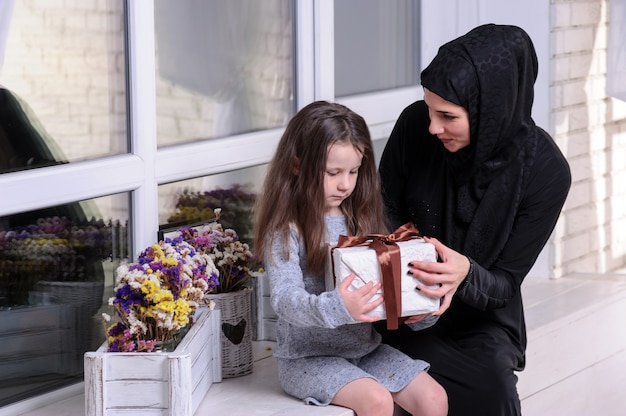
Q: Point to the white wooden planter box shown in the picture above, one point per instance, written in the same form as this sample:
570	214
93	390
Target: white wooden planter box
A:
156	383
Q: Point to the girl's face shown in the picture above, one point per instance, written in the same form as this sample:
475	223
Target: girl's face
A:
340	176
448	121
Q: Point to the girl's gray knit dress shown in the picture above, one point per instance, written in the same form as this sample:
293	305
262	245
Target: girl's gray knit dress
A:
320	347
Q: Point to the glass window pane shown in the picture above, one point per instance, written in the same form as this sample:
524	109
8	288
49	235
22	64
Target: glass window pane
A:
192	201
56	274
224	67
379	49
62	95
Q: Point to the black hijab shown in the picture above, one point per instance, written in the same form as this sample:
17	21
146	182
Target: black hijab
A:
490	72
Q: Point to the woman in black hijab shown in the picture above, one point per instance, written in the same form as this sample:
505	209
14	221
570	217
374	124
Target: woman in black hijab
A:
469	167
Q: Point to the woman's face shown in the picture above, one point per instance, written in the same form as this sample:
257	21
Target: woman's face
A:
342	171
448	121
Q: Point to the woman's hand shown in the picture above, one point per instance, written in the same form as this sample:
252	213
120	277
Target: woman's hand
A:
448	274
359	302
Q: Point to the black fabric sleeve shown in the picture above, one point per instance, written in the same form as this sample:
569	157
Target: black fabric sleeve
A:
494	287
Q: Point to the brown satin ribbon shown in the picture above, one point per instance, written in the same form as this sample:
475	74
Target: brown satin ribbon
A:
388	254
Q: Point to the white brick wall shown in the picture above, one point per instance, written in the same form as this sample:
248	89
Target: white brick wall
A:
590	128
65	59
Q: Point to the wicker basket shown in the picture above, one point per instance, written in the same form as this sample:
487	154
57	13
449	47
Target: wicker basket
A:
236	334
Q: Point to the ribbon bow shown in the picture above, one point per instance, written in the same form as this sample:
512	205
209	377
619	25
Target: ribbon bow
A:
388	254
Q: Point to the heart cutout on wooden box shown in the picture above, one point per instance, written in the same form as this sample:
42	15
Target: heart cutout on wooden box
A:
234	333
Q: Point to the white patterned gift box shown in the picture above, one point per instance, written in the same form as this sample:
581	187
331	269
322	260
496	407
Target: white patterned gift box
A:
364	262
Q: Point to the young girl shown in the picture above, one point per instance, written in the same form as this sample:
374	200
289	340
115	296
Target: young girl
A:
322	183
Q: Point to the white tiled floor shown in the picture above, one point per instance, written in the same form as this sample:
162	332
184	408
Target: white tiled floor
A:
576	352
576	360
597	390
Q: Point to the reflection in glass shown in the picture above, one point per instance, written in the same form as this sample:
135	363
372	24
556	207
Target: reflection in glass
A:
24	144
378	50
56	273
223	67
194	201
63	95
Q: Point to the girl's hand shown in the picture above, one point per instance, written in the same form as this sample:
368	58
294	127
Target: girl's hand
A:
448	275
357	302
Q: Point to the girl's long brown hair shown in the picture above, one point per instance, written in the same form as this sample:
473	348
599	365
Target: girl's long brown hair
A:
293	192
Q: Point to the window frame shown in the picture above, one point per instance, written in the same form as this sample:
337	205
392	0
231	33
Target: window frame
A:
145	167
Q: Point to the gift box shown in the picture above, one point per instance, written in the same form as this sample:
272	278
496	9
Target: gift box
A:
360	257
